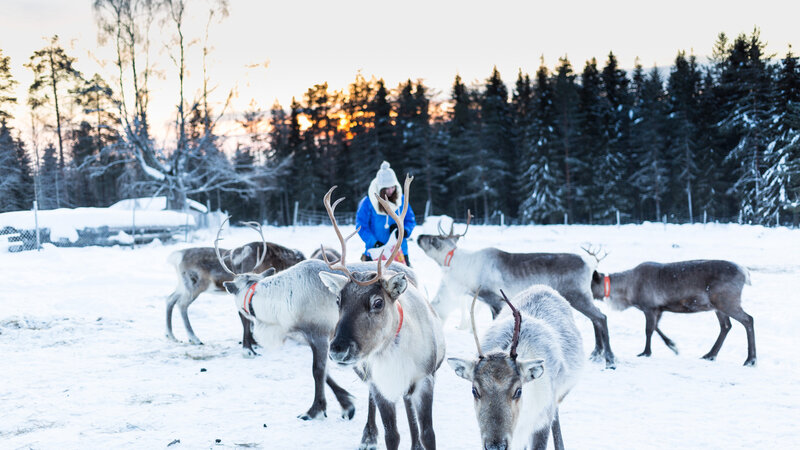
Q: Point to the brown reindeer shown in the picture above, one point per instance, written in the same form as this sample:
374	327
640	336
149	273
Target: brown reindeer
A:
199	270
681	287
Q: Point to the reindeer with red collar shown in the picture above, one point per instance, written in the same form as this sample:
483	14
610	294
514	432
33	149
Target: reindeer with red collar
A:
389	329
463	271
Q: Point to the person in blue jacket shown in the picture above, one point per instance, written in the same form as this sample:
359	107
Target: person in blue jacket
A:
375	225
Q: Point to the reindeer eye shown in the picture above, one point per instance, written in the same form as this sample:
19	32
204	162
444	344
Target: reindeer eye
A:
377	304
475	393
517	394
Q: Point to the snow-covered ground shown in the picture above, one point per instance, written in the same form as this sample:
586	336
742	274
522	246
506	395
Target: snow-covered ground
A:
84	362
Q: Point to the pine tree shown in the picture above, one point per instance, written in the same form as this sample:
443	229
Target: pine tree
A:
747	74
543	191
566	99
48	178
782	156
16	180
497	149
648	137
592	148
7	83
683	87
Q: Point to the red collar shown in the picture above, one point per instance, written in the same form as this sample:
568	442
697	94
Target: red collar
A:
607	286
248	298
400	325
448	258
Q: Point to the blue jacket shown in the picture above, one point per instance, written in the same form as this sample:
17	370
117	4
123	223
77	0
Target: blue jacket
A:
374	227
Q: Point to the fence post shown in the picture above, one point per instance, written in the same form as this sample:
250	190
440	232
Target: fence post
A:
566	219
36	225
133	224
617	217
427	208
705	216
777	218
294	217
502	220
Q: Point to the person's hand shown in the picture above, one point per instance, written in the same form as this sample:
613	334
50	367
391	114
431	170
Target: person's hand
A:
393	230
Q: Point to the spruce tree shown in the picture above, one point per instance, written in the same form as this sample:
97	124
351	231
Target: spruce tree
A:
592	149
648	137
566	100
543	192
499	160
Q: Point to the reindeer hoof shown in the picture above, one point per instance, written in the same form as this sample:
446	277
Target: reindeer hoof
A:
249	353
171	337
596	356
674	349
195	341
710	357
310	415
645	354
750	363
368	446
349	412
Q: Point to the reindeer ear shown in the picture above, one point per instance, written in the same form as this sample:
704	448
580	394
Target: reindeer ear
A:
334	282
267	273
531	369
230	286
395	286
463	368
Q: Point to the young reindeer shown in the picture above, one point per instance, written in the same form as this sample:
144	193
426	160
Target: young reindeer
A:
201	269
681	287
387	327
464	270
517	391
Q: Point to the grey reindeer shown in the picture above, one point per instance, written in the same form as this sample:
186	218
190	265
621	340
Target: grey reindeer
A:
535	358
681	287
389	330
201	269
464	270
296	304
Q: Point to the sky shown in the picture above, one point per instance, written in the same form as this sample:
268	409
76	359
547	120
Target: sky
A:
268	51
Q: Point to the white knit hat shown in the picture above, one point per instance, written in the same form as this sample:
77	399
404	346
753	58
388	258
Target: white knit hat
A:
385	177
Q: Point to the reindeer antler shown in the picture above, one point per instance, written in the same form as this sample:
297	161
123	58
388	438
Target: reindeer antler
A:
472	319
340	266
216	247
512	352
451	233
397	220
594	251
257	227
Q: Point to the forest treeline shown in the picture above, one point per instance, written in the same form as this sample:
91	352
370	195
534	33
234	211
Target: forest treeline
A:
719	137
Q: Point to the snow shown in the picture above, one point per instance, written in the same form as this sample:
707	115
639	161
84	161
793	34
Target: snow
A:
154	204
86	365
64	222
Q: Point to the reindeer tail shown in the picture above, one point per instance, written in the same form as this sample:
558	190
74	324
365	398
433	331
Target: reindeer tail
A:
746	274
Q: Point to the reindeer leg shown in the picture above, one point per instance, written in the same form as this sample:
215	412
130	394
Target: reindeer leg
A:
747	321
583	303
649	327
389	419
369	439
664	337
555	427
724	327
539	439
247	337
413	426
425	412
171	300
319	354
343	397
183	306
494	301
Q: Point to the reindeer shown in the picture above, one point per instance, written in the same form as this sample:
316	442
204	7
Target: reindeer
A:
389	329
464	270
323	253
535	359
296	304
681	287
201	269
